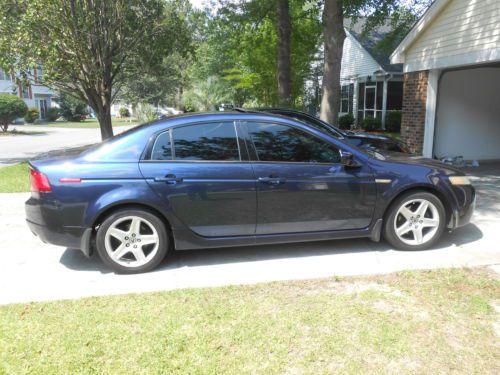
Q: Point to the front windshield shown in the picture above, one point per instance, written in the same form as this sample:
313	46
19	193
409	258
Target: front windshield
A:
317	124
371	153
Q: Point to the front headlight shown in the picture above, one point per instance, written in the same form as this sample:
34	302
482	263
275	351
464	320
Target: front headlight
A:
459	180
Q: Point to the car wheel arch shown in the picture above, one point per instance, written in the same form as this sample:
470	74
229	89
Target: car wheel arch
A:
425	188
105	212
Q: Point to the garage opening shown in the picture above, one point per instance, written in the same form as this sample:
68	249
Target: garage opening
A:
468	114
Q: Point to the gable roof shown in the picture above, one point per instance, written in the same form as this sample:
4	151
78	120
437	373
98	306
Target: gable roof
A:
369	42
430	14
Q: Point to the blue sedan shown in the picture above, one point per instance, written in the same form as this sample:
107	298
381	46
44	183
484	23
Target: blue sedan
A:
230	179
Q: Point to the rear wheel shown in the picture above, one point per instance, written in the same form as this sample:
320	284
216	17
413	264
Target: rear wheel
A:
415	221
132	241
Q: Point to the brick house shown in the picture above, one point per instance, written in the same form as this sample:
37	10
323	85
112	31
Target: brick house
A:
451	99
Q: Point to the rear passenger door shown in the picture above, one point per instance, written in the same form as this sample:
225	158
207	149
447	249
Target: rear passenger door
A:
202	173
301	184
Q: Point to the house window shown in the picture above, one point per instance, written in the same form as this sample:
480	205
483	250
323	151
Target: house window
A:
5	75
26	92
346	98
39	73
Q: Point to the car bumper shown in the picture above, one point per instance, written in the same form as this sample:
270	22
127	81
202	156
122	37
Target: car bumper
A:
461	216
74	237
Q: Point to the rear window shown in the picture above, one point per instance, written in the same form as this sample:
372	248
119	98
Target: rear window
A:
124	147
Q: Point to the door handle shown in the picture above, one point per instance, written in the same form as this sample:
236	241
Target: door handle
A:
271	180
170	179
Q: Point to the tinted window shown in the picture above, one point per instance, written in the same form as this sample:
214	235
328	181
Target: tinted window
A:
284	143
162	149
215	141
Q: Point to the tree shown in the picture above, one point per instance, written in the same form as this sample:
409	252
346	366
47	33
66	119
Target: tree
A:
88	45
242	45
400	14
284	52
334	36
160	83
206	95
11	107
72	109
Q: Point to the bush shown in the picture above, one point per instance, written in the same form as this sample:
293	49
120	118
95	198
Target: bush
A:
393	121
52	114
72	109
11	107
31	115
124	112
145	113
346	121
371	123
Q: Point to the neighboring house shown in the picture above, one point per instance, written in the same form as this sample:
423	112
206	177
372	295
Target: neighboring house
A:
451	57
371	86
34	94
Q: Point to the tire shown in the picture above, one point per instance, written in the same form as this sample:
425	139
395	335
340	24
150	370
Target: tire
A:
126	234
415	221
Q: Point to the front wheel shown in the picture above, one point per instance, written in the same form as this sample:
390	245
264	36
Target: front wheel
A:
132	241
415	221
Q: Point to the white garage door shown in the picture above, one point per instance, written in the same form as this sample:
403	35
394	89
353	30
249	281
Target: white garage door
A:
468	114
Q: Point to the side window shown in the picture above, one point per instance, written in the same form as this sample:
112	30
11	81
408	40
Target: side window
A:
287	144
212	141
162	149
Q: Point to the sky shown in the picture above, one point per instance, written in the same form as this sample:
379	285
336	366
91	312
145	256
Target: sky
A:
197	3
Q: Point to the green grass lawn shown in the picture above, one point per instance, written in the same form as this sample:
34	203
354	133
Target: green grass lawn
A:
88	123
424	322
14	178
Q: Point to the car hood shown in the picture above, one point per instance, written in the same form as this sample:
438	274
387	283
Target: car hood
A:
370	136
397	157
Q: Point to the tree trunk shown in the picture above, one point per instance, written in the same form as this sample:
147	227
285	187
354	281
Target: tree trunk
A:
284	53
103	113
105	123
334	35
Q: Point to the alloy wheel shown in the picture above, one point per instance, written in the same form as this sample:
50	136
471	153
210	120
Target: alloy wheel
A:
417	222
131	241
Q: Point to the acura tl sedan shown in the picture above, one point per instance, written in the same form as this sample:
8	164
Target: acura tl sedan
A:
231	179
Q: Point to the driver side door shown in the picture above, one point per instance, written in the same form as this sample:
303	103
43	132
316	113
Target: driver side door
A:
301	184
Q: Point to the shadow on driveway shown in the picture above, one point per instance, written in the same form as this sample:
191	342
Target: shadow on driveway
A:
75	260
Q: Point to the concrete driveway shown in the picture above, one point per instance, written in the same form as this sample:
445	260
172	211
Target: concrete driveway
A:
46	139
33	271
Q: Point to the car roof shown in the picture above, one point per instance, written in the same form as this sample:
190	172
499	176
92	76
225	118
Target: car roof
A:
194	117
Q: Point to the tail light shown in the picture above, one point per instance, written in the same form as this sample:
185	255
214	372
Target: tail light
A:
39	182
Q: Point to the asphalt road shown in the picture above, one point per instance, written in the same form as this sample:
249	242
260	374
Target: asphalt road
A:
14	149
33	271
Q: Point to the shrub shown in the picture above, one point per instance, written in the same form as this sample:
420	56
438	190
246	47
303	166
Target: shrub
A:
31	115
72	109
346	121
124	112
371	123
11	107
393	121
52	114
145	113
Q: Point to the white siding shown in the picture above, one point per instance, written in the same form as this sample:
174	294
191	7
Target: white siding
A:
356	60
464	32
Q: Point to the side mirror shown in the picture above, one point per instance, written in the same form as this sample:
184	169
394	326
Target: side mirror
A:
347	160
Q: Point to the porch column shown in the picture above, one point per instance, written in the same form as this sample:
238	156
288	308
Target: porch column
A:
384	103
430	112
